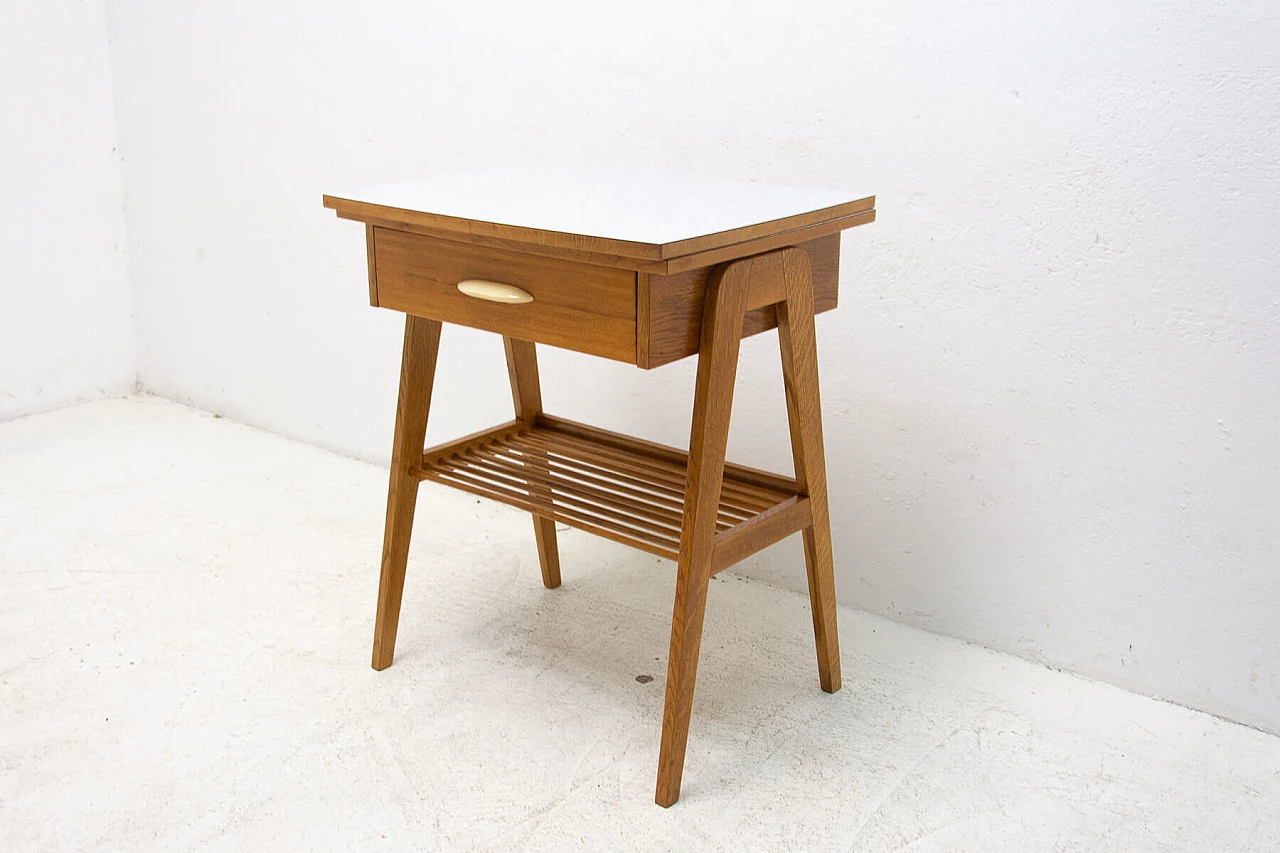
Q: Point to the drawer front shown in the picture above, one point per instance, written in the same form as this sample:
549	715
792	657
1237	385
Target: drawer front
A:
577	306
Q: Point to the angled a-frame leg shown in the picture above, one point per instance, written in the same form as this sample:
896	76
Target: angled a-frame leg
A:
417	374
526	393
782	278
723	311
804	412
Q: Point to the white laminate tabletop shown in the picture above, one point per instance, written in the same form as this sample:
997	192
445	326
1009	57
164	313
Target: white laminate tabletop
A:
637	207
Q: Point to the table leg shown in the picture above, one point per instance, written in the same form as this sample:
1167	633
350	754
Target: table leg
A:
804	412
722	318
526	393
417	374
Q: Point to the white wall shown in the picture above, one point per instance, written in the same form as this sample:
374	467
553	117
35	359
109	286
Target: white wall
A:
1050	393
65	327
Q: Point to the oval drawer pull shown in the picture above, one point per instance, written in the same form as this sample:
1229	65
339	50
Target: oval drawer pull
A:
492	291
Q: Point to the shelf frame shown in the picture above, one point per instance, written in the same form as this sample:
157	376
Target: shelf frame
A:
616	486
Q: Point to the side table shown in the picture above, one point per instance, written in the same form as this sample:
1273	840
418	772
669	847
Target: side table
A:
638	268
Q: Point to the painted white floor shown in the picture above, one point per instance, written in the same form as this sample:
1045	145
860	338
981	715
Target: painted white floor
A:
185	625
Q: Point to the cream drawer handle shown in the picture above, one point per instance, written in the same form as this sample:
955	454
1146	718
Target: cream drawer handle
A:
491	291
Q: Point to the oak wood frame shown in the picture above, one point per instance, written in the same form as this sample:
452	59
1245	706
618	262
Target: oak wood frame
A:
417	375
782	278
523	463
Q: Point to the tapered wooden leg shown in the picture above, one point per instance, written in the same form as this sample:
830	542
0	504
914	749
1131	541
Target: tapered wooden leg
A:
722	318
417	374
526	393
804	411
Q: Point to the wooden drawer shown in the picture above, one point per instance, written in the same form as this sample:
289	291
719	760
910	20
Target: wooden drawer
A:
644	319
577	306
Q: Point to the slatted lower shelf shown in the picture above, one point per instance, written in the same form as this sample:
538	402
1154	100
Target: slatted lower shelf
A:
615	486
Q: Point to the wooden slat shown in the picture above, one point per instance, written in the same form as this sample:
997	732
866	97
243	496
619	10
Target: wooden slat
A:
608	506
565	456
673	494
460	445
587	473
519	487
559	484
640	466
740	473
566	515
637	498
617	440
550	474
750	536
748	496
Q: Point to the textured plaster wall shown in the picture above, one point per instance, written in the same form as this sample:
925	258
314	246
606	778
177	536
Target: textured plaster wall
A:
1052	389
65	327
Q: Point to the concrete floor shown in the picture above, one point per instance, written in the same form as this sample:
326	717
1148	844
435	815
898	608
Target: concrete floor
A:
185	623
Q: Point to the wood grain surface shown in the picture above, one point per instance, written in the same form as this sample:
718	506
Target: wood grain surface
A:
673	305
581	307
526	395
417	375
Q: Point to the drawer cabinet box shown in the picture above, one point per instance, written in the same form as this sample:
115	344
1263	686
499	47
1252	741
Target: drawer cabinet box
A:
637	317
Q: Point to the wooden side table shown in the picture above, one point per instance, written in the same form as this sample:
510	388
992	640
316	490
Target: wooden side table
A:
637	268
